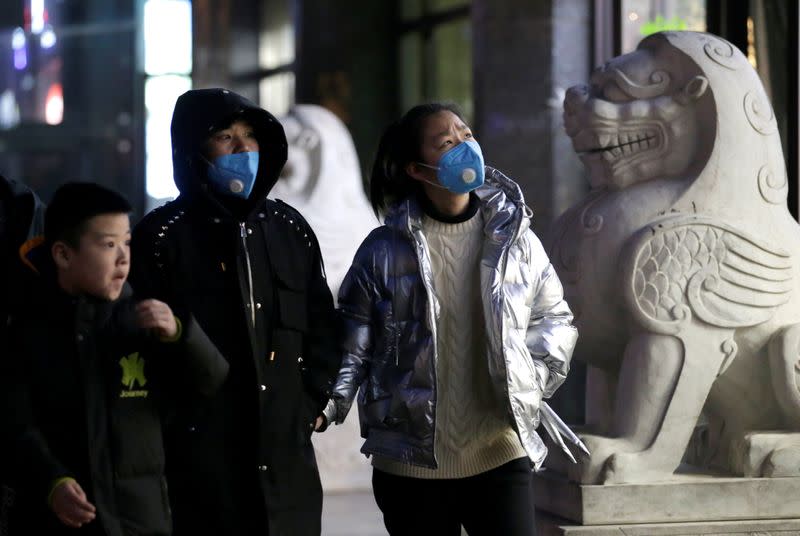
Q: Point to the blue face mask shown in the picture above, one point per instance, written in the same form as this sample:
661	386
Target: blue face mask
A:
460	169
234	174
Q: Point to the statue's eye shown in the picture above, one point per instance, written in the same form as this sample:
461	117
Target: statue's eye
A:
613	93
287	170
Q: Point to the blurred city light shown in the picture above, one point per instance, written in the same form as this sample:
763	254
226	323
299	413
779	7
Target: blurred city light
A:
168	62
38	15
54	105
167	37
160	94
48	38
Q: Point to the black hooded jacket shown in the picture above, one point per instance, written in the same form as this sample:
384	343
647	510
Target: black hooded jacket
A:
82	394
251	272
21	218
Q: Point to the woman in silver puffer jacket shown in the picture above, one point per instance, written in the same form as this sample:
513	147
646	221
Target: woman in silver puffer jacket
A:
455	328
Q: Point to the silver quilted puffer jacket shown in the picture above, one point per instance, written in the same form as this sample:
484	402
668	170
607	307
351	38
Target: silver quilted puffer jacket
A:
389	314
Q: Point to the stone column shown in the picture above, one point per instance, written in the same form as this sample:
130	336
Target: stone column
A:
525	55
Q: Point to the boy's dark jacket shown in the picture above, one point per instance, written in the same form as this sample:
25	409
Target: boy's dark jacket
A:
245	459
85	391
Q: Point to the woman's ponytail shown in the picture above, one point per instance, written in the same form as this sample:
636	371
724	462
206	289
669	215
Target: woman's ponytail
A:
385	168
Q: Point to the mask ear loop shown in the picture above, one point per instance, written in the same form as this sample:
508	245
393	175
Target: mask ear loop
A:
207	161
204	182
436	184
427	166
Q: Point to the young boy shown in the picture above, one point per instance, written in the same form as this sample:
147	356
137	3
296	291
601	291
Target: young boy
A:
87	375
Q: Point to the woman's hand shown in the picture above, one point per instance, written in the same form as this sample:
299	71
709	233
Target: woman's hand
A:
321	423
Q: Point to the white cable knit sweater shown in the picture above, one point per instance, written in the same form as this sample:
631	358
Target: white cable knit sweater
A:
473	430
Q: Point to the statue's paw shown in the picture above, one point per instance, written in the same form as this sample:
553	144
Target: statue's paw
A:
586	471
636	467
626	468
782	462
589	469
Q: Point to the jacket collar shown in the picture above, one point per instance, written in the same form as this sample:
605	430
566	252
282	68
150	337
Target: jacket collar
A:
501	202
206	205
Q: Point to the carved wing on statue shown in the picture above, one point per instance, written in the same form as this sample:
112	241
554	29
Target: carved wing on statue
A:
690	265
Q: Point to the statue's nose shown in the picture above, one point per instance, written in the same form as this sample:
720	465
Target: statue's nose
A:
575	98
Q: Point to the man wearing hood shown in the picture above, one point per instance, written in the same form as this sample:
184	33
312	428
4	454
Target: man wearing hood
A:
250	271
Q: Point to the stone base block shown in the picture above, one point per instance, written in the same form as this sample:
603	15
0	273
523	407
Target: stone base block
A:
551	526
685	499
767	454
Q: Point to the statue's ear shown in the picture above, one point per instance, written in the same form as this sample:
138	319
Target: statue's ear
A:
695	89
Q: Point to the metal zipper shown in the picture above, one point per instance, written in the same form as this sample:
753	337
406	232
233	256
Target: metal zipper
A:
420	249
252	304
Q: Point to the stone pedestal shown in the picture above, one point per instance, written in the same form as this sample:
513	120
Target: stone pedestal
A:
687	504
551	526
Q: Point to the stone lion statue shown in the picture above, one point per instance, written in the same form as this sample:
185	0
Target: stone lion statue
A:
682	266
322	179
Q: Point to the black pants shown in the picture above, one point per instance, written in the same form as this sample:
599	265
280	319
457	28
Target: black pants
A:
496	502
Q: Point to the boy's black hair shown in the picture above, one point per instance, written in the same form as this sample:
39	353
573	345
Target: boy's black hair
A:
73	205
